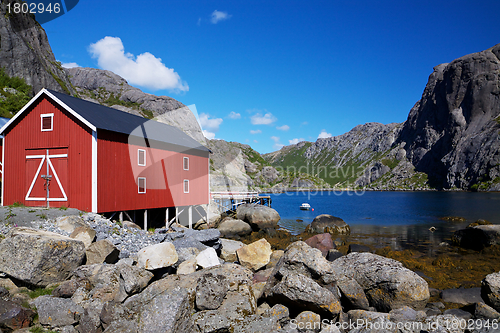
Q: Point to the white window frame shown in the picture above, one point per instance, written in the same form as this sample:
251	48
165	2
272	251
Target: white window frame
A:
184	163
186	181
47	115
139	185
139	157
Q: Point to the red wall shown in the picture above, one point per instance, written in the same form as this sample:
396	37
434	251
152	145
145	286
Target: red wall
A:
25	137
117	169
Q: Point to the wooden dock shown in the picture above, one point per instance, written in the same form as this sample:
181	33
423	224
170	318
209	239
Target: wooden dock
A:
229	201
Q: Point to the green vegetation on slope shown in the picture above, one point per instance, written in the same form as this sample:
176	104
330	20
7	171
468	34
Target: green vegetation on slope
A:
14	99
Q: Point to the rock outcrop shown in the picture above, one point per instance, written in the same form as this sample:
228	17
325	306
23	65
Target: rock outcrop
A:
258	216
449	141
25	52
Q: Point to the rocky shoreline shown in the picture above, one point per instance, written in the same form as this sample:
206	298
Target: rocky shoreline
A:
88	274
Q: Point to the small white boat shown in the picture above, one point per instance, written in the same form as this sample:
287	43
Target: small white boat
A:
305	206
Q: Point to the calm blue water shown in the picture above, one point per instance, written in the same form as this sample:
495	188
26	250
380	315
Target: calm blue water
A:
408	215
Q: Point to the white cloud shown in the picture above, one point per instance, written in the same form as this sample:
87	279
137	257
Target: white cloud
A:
304	123
218	16
324	135
69	65
255	141
259	119
277	144
209	135
234	115
255	131
145	70
209	126
295	141
283	128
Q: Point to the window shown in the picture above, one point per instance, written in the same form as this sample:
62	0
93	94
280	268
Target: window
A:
186	163
141	157
141	184
186	186
47	120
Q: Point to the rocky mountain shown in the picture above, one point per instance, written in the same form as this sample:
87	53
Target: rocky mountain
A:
237	167
25	52
449	141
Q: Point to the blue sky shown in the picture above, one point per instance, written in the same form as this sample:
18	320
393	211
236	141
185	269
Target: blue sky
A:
271	73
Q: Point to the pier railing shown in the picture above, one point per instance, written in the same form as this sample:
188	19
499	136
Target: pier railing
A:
229	201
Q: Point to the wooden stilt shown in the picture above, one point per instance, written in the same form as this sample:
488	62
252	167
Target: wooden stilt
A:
176	215
145	219
121	217
190	213
166	218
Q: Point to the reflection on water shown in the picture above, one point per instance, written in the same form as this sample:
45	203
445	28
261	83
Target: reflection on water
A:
402	218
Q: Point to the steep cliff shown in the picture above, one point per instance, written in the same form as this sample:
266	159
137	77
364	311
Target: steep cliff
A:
452	133
25	53
449	141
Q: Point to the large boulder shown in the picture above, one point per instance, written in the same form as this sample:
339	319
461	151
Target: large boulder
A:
322	242
70	223
477	237
387	284
39	257
328	224
300	292
232	228
105	281
135	279
157	256
169	312
490	290
57	312
258	216
256	255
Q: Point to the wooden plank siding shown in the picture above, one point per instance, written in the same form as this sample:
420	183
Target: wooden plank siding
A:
68	133
118	170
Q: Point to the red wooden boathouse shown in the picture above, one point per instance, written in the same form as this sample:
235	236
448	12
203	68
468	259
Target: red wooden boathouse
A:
99	159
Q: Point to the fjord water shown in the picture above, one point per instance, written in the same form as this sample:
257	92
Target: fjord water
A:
403	216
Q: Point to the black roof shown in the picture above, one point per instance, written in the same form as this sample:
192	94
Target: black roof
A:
106	118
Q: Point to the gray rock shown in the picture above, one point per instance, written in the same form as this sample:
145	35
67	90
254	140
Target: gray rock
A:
328	224
57	312
258	216
135	279
477	237
484	311
28	54
406	314
459	313
231	228
490	290
353	296
229	247
90	321
70	223
301	292
207	258
123	326
102	251
462	296
210	291
52	257
69	287
114	312
105	281
168	312
387	284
